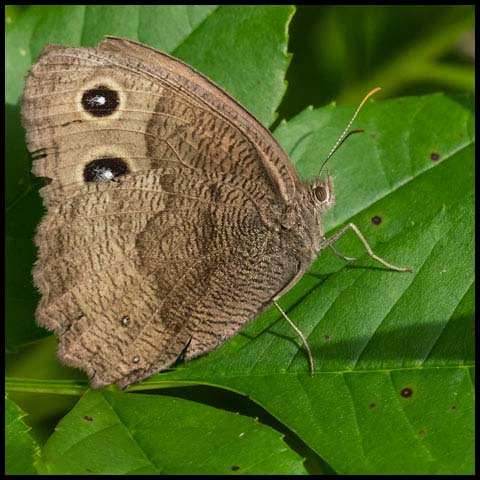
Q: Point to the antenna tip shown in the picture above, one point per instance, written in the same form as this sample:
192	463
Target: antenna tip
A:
372	92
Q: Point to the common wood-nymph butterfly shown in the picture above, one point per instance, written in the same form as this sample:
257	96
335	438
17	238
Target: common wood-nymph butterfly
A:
174	217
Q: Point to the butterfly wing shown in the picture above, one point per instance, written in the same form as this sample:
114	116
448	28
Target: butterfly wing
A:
163	203
153	109
221	275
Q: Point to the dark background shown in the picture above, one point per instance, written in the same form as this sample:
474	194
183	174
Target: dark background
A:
342	52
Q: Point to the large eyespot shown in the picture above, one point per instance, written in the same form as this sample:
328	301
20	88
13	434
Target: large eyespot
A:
100	101
320	193
103	169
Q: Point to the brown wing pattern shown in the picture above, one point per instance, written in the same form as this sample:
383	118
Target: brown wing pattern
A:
180	249
166	113
128	285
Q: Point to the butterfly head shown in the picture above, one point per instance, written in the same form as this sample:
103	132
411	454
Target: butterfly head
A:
322	193
322	190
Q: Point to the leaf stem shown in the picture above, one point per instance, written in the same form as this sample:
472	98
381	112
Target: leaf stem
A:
34	385
78	387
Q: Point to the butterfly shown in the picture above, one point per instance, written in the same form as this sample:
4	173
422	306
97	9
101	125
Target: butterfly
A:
174	217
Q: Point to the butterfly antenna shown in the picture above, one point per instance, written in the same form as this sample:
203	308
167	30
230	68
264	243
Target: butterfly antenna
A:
346	133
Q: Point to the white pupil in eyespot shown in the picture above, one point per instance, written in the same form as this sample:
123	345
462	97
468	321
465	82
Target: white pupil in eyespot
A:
102	173
99	100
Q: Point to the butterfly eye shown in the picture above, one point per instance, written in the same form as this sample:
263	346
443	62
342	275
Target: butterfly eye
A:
320	193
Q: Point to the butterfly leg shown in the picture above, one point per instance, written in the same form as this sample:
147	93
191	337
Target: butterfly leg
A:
300	334
328	242
338	254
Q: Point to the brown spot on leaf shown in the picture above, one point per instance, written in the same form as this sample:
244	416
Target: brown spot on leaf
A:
406	393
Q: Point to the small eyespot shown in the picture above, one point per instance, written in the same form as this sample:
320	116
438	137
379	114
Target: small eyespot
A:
103	169
136	359
320	193
101	101
125	321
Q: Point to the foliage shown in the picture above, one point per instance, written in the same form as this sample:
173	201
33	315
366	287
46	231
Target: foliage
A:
21	449
393	392
114	433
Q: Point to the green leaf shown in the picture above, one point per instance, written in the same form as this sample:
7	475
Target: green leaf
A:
244	49
251	64
20	448
116	433
374	332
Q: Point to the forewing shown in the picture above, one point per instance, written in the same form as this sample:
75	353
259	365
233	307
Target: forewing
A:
164	112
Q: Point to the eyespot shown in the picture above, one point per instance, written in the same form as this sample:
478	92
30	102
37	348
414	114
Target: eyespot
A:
103	169
100	101
320	193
